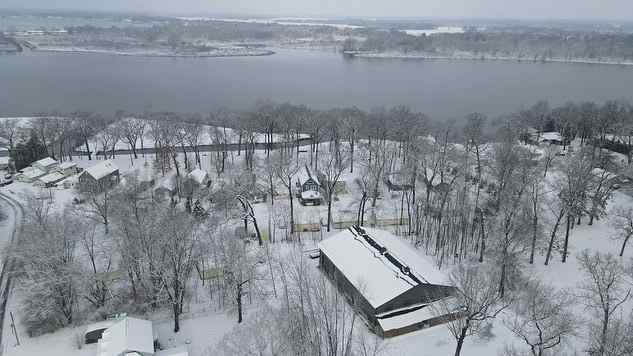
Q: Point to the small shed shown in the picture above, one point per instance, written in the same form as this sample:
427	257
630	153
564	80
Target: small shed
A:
199	177
127	336
309	187
45	164
50	180
99	177
386	278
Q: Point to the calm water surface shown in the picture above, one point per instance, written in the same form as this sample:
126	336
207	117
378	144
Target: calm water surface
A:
35	81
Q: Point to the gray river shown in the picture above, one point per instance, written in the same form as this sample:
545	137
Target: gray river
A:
37	82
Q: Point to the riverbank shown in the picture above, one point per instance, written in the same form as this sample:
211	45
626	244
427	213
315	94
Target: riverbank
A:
466	57
222	52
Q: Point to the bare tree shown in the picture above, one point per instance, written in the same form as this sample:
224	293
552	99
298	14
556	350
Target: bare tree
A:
477	300
180	241
604	292
285	171
623	223
332	167
543	318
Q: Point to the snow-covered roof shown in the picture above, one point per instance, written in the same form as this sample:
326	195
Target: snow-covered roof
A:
304	174
46	162
4	160
33	173
551	136
169	182
67	165
178	351
52	178
198	175
371	273
102	169
127	336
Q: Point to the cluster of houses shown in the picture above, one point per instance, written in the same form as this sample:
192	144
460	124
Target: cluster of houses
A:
48	173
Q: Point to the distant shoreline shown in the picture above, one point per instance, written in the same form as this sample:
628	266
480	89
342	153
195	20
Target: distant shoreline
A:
258	53
391	55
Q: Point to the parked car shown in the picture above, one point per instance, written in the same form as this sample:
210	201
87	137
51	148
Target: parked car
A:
6	180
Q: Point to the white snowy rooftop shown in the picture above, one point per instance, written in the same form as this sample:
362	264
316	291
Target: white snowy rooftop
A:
304	174
33	173
102	169
551	136
370	272
127	336
52	178
46	162
310	194
198	175
67	165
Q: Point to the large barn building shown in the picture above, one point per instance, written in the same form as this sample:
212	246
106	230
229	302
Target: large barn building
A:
396	289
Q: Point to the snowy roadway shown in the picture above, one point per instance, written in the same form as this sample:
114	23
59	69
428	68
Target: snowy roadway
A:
11	213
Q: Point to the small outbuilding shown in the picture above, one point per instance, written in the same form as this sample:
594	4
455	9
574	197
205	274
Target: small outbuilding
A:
99	177
393	286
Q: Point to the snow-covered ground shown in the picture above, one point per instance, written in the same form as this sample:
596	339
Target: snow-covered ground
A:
203	324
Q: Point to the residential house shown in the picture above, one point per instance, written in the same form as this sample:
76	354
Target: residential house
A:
128	336
393	286
46	165
309	188
99	177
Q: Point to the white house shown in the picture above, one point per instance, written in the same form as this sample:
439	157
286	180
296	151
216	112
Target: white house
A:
127	336
45	164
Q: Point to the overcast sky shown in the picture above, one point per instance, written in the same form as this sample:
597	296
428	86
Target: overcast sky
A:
562	9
